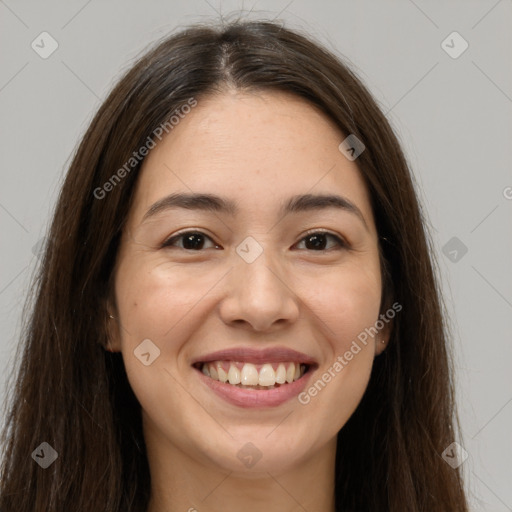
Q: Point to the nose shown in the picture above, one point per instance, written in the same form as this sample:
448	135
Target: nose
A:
259	295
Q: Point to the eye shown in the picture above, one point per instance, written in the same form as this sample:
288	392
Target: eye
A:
192	240
195	240
316	240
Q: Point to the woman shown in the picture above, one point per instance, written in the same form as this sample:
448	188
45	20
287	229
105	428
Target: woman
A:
237	305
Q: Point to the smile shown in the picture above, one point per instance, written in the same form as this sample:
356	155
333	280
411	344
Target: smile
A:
253	376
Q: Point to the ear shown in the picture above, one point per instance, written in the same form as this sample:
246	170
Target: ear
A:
112	327
382	337
388	309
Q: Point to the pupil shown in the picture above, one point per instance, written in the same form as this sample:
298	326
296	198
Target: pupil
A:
189	243
317	244
196	240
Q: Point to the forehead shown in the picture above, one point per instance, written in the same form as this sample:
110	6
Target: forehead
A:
258	148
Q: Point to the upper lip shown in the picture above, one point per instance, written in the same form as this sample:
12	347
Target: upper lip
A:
257	356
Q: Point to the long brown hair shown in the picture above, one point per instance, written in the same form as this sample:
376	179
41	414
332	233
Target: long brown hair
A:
75	396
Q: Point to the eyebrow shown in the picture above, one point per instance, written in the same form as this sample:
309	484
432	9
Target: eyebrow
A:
217	204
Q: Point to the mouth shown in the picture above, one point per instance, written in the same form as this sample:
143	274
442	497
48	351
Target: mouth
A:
255	378
247	375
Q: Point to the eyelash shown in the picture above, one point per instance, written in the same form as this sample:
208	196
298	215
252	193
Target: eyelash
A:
168	243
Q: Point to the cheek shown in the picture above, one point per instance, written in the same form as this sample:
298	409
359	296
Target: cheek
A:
348	302
159	302
152	303
154	299
348	305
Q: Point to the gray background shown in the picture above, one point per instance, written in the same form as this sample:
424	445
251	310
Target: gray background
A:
453	116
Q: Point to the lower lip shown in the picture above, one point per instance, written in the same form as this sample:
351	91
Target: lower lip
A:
250	398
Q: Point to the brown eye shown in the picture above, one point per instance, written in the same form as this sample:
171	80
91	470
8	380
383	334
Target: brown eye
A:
317	241
191	241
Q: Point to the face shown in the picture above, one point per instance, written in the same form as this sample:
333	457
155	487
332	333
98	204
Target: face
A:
254	285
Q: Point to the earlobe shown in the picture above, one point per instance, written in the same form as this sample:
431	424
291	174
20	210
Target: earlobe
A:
381	343
382	338
112	341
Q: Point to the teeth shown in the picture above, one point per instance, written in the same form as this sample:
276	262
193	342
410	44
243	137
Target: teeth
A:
281	374
223	376
290	373
267	375
248	375
234	376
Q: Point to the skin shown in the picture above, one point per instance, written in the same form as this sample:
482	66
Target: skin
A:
258	149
